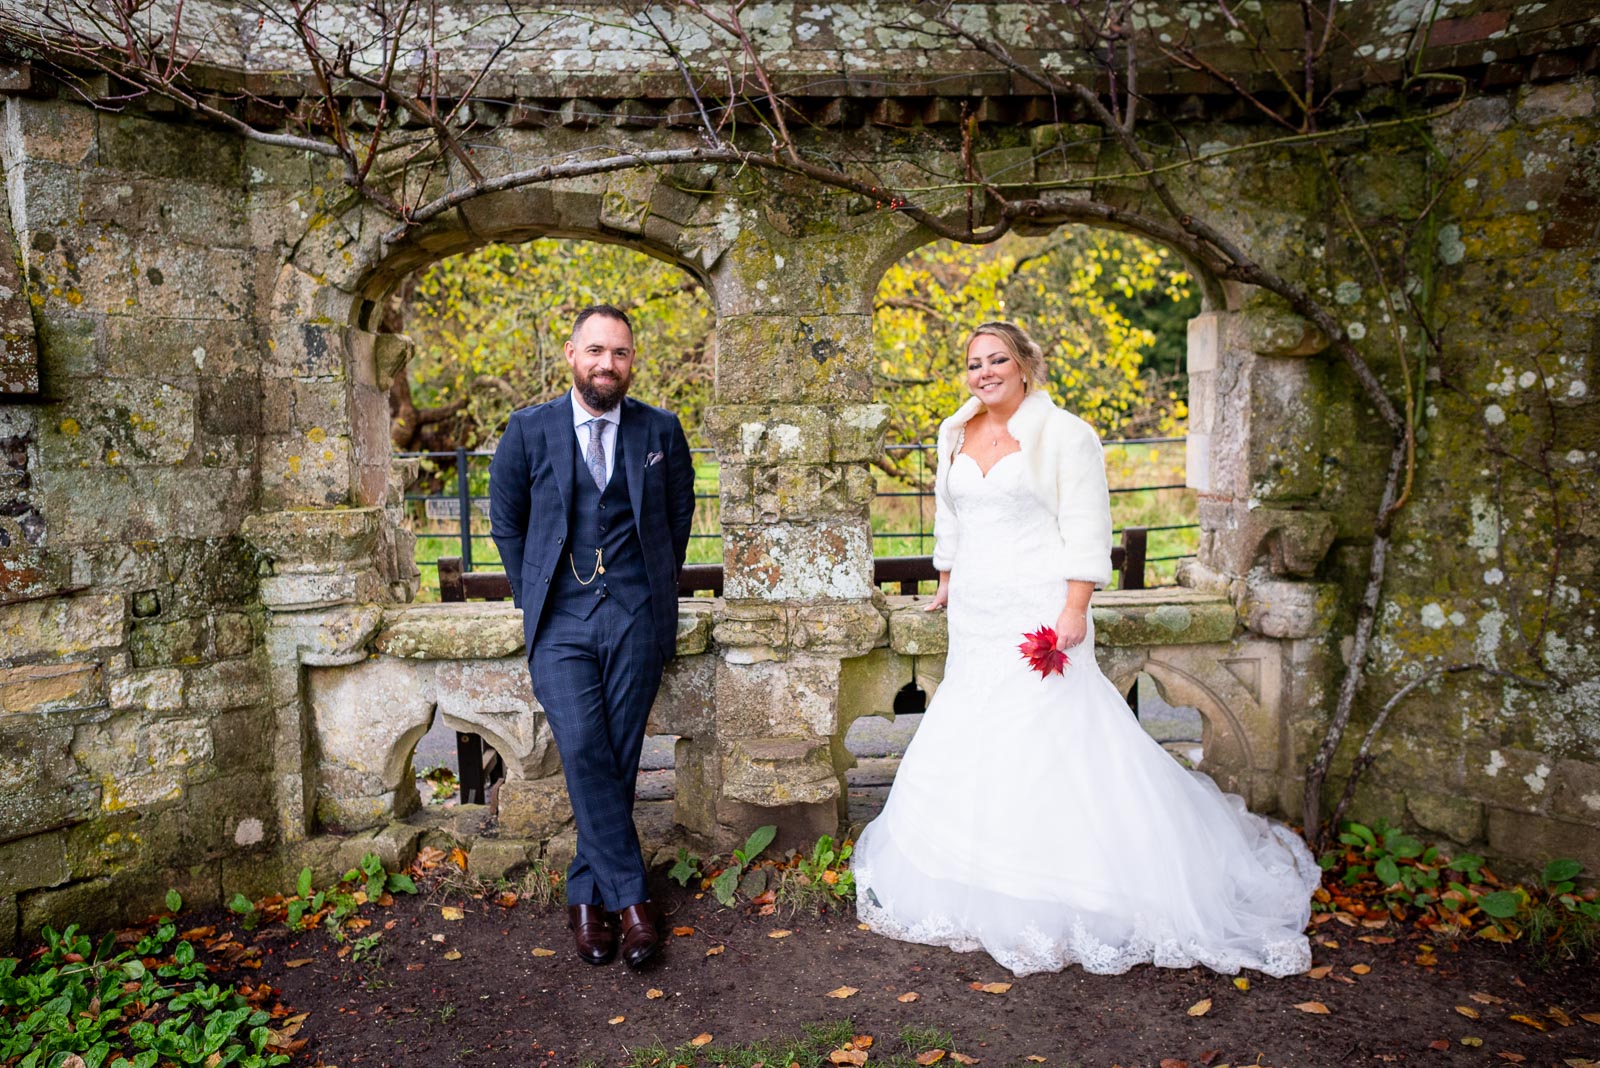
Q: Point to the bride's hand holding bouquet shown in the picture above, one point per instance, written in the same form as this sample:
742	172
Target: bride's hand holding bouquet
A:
1072	626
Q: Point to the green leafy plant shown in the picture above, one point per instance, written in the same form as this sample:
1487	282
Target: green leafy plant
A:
820	879
686	868
246	910
76	998
726	885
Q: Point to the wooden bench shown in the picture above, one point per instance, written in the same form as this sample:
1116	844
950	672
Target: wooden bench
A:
1127	559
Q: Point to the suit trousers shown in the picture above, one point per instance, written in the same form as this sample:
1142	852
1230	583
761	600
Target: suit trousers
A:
597	678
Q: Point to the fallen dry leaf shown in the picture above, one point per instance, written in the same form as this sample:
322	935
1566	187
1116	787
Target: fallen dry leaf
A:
844	992
450	912
701	1039
301	963
908	996
1360	969
459	857
682	932
1592	1017
1469	1012
1529	1021
932	1056
962	1058
1200	1008
861	1042
452	954
653	993
847	1056
1377	940
992	988
1439	1044
616	1019
1560	1017
1316	1008
1241	983
1321	971
507	899
766	910
1173	1062
1514	1058
415	967
1035	1058
780	933
1490	999
437	937
714	950
540	951
1209	1056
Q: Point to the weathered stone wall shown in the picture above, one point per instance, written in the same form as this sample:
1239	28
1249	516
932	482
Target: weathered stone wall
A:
130	754
205	551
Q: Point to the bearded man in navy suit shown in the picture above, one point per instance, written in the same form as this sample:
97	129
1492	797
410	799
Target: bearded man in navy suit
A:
591	497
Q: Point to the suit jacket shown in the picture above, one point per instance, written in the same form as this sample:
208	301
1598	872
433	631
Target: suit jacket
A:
530	503
1066	472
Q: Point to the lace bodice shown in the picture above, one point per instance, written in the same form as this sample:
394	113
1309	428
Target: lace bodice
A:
1006	577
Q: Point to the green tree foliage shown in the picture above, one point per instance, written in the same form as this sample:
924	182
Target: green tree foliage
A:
1109	309
489	327
1100	303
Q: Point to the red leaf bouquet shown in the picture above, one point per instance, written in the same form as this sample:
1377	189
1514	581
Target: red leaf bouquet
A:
1039	650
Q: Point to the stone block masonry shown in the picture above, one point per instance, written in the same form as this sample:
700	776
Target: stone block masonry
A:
205	577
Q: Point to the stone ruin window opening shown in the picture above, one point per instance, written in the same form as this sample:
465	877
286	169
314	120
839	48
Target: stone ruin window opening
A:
1179	728
443	763
487	328
1111	311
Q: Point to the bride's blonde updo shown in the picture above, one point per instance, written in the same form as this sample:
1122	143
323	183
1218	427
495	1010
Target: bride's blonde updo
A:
1023	349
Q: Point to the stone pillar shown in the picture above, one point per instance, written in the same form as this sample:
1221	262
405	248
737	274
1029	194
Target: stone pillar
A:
1255	453
795	431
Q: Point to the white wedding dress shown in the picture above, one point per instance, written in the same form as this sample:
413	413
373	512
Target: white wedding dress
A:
1034	819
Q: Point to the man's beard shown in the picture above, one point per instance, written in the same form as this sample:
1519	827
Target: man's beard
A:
603	396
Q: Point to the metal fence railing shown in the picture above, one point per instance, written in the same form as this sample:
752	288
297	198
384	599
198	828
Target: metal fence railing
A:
457	514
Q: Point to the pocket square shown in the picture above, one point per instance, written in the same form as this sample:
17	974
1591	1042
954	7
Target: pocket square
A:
653	459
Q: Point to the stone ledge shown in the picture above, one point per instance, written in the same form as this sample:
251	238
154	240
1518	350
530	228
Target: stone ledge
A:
491	630
1121	618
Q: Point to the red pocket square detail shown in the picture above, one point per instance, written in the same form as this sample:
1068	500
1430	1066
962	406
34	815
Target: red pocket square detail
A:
1039	650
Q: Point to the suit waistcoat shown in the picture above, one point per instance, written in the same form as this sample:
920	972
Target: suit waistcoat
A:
602	520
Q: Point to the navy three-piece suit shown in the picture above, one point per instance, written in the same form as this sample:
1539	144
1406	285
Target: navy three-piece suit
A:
597	640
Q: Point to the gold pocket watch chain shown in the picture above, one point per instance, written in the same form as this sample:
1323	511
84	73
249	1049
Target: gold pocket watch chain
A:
599	568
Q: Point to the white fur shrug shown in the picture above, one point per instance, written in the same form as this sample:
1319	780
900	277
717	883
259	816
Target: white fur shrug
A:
1067	472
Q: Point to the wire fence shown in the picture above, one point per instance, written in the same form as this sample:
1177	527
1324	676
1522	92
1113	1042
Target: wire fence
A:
454	520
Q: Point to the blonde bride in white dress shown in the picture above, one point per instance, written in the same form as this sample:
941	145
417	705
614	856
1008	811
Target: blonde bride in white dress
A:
1032	817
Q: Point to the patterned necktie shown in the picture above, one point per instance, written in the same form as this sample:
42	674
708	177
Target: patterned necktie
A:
596	458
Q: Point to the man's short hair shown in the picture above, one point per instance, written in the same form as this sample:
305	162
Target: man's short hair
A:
608	311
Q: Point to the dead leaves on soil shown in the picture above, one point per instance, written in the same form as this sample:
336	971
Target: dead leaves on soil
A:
990	988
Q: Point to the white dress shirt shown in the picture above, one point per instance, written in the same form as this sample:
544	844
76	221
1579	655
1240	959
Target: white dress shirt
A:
608	434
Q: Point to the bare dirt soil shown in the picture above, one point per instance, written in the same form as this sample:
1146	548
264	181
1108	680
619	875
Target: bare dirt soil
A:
484	990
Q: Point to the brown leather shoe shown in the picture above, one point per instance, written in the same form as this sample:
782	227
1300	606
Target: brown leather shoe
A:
596	942
640	939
